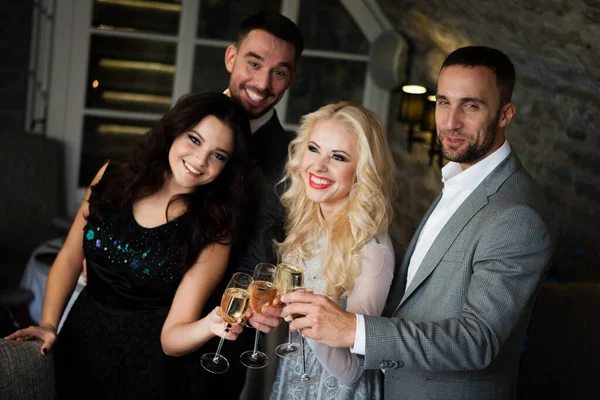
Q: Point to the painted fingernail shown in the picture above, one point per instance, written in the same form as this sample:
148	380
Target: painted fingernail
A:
229	325
45	350
226	330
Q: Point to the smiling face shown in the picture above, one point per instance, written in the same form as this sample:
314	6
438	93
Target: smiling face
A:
329	165
262	67
470	121
198	156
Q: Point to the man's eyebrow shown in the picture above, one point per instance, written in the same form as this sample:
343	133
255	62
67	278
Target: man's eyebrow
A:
463	99
286	65
473	100
254	55
259	57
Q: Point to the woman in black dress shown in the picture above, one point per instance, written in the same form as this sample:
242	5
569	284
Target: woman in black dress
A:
155	234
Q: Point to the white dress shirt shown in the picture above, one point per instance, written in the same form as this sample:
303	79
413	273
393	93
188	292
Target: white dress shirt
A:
256	124
458	185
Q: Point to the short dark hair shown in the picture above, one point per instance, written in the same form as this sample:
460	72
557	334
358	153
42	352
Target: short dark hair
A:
494	59
277	25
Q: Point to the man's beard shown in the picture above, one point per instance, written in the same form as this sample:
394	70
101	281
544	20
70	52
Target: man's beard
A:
474	151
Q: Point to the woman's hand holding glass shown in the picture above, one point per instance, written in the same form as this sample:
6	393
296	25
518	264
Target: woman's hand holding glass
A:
234	304
219	327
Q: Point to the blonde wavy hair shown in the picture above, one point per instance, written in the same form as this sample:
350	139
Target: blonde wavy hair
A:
366	213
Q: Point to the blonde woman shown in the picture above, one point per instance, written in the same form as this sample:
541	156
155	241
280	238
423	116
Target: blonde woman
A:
338	190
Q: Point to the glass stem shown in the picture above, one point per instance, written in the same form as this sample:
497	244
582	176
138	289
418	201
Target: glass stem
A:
303	357
290	338
290	343
218	353
255	344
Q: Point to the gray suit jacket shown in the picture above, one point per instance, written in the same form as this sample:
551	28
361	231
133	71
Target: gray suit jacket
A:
457	330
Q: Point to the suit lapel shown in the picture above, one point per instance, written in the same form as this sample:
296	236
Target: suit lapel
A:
475	202
399	281
445	238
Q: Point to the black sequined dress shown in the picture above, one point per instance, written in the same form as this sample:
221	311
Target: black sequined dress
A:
109	346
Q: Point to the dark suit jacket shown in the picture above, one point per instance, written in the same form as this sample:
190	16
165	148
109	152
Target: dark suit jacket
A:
265	214
457	330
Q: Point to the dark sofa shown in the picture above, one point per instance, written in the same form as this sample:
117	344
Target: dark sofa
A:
25	374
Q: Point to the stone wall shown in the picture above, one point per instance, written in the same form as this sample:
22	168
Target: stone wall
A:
556	135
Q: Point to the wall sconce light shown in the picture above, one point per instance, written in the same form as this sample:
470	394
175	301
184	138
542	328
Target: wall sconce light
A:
417	111
412	109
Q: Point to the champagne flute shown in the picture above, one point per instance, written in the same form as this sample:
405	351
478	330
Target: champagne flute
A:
288	277
304	377
234	304
262	293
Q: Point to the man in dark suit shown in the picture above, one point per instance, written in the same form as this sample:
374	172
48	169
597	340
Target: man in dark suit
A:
262	66
458	308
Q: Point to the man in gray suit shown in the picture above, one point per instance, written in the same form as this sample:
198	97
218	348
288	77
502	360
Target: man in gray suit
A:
458	308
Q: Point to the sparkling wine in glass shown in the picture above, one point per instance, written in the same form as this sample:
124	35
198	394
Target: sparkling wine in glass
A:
234	304
262	293
289	277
